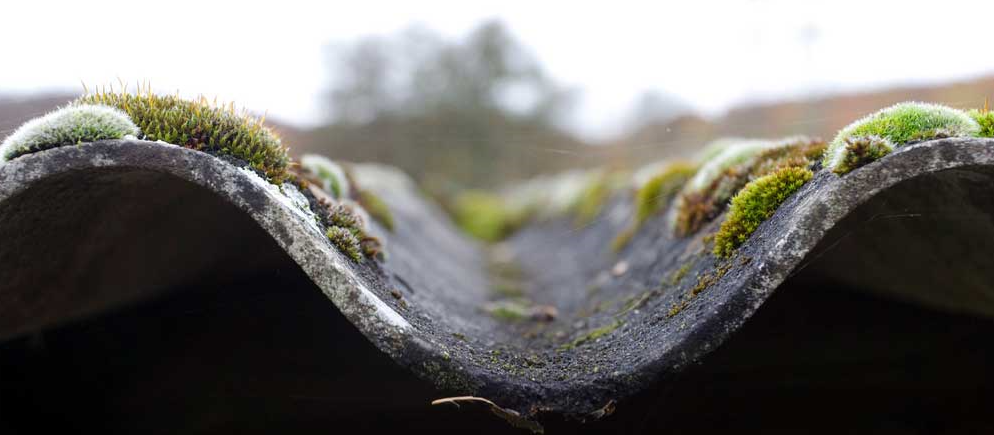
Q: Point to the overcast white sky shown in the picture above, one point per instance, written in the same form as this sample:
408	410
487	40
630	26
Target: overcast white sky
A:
268	55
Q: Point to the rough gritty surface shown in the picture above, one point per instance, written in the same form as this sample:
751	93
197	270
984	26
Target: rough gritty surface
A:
624	319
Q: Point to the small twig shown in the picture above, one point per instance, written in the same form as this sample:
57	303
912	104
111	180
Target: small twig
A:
457	399
514	418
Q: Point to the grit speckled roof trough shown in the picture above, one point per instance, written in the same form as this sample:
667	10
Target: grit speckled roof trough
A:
102	227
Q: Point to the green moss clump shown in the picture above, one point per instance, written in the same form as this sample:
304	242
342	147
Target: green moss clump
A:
484	215
660	189
795	152
329	174
985	119
652	196
67	126
342	210
591	200
755	203
904	123
201	126
346	241
702	198
342	218
859	151
697	206
343	215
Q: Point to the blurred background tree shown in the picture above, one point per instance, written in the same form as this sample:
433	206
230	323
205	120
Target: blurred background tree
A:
453	114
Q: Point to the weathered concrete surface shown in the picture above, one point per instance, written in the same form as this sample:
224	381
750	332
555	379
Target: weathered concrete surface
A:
86	228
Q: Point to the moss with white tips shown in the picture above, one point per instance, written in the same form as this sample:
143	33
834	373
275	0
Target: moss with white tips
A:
859	151
697	201
898	125
219	130
729	156
68	126
654	194
708	192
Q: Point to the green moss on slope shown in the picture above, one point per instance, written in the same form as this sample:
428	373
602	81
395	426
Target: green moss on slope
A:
700	201
346	241
660	189
591	199
739	164
347	231
755	203
859	151
652	197
985	119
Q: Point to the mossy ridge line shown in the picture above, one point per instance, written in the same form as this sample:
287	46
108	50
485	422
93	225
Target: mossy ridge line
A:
202	126
737	163
911	121
342	215
696	207
860	151
901	124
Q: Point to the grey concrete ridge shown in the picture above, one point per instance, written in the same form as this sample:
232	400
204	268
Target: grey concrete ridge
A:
87	228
